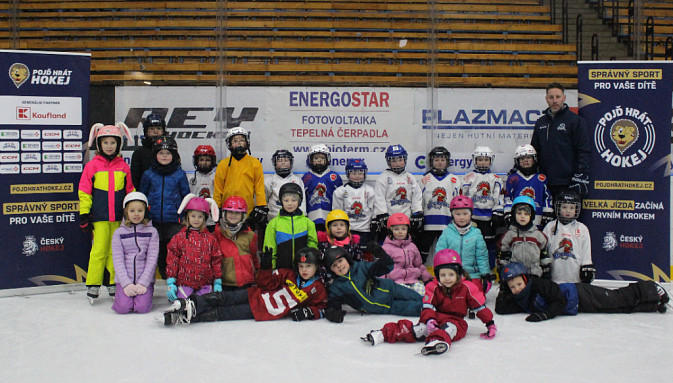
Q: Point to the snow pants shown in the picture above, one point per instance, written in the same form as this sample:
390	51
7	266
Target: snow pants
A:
141	304
100	258
640	296
166	232
403	331
406	302
221	306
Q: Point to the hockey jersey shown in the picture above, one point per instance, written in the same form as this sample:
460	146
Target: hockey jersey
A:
319	193
203	185
534	186
357	203
397	193
279	291
487	193
437	194
272	186
569	247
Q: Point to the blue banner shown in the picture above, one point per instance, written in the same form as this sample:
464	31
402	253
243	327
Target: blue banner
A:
627	106
44	102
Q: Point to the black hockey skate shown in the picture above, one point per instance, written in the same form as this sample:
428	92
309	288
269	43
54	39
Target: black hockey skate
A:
182	311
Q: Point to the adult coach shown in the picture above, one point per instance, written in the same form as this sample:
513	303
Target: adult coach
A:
561	139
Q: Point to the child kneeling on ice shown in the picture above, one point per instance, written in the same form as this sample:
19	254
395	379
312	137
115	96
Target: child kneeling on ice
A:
357	284
445	306
279	293
543	299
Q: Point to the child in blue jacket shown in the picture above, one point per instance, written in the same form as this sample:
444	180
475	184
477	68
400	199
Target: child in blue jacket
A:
165	185
357	284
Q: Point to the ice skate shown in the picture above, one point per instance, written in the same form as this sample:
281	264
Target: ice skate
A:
663	298
374	337
471	314
111	290
92	293
182	311
435	347
420	331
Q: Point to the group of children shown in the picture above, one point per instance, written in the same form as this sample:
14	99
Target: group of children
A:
325	243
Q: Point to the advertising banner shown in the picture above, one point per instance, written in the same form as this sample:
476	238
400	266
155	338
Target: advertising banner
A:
352	122
44	101
627	106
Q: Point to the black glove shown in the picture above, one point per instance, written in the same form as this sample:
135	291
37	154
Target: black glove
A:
580	184
587	273
497	220
511	171
298	314
258	217
377	251
545	263
416	222
335	315
266	259
547	217
85	223
507	218
536	317
503	258
381	223
490	277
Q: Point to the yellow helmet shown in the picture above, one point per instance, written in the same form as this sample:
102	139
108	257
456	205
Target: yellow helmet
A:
337	215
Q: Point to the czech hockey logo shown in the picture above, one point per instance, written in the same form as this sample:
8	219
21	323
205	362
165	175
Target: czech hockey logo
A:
19	74
625	137
400	197
609	241
29	246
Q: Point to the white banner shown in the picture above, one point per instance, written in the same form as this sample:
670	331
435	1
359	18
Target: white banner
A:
34	110
352	122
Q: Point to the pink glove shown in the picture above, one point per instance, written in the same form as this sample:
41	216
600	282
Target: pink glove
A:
490	332
130	290
432	326
140	289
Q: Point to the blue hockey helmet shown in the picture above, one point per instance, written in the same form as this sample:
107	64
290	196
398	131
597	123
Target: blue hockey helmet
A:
525	200
154	119
393	152
353	165
512	270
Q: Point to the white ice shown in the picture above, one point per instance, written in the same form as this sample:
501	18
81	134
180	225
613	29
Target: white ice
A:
59	337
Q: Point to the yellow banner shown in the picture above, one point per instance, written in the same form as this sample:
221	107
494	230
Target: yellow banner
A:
40	207
625	74
608	204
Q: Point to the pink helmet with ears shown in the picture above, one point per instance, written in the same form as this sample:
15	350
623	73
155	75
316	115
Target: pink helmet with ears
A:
199	204
461	202
192	202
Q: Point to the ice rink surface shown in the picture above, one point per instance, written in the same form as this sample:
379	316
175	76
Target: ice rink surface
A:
59	337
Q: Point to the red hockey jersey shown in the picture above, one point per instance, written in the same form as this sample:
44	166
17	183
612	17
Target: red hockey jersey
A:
277	292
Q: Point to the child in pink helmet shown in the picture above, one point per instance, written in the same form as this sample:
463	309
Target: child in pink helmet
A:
445	305
464	237
408	269
194	261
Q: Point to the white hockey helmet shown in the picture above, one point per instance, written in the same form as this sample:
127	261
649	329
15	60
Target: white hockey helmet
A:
482	151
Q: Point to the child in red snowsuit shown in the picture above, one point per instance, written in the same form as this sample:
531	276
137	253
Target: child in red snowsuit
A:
445	306
194	261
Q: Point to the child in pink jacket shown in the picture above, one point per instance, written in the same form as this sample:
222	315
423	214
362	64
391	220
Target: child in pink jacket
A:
408	270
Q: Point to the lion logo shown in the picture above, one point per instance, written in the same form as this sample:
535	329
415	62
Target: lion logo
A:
19	74
624	133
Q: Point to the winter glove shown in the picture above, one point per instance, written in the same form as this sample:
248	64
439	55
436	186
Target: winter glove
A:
217	286
140	289
545	263
335	315
298	314
587	273
266	259
172	292
85	223
258	216
580	184
507	217
130	290
379	223
432	326
511	171
416	220
377	251
547	217
536	317
486	282
503	258
497	220
491	329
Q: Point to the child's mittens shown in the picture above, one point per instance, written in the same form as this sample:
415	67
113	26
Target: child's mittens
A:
140	289
536	317
217	286
266	259
432	326
130	290
298	314
491	329
85	223
172	292
335	315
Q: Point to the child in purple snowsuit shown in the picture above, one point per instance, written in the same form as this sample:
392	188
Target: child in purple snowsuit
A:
135	249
